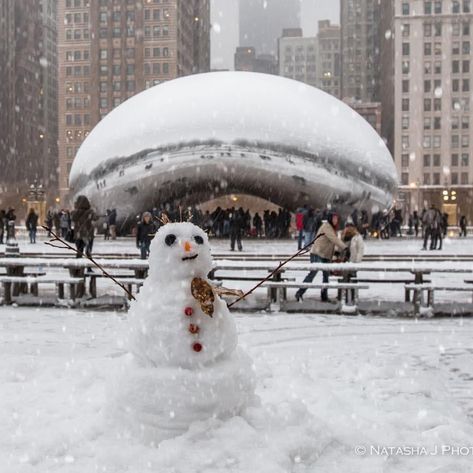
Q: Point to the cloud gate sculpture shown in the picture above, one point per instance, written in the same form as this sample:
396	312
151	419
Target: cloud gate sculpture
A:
208	135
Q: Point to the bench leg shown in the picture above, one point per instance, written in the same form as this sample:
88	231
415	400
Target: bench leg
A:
93	287
417	301
34	289
407	295
72	291
60	290
7	296
430	298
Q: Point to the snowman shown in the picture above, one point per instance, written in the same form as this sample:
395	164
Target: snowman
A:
183	363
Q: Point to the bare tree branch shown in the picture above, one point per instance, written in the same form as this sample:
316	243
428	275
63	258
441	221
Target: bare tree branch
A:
272	273
67	246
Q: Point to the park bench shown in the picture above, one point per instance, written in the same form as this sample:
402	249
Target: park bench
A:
93	276
420	289
348	291
33	282
405	281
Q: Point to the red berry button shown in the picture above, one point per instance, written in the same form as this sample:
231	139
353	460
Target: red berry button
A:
188	311
194	328
197	346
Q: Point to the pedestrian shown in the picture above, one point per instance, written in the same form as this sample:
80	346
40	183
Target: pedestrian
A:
428	225
355	248
112	224
32	225
10	219
322	252
308	223
236	224
258	225
64	223
415	221
2	225
144	234
463	225
83	218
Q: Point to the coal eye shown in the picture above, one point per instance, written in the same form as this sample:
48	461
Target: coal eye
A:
170	239
199	240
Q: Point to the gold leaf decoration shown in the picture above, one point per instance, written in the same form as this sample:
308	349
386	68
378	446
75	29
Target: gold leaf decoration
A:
202	291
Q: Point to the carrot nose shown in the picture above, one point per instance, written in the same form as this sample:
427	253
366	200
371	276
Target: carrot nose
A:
187	246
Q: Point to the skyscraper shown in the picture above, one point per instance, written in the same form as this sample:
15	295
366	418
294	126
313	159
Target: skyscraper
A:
28	121
427	90
359	20
262	22
109	51
328	58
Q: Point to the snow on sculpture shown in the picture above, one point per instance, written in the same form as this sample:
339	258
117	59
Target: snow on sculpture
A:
206	135
184	364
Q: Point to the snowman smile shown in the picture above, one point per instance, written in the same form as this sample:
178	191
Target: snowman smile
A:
187	258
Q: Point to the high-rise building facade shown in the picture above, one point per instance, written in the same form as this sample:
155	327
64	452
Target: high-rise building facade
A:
109	51
328	58
262	21
359	29
298	56
28	119
246	59
431	47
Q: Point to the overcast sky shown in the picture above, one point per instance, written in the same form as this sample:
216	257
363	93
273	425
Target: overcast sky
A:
225	25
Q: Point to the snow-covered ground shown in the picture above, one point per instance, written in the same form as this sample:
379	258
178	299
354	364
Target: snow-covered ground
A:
329	387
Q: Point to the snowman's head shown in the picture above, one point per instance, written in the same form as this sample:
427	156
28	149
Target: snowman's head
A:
179	251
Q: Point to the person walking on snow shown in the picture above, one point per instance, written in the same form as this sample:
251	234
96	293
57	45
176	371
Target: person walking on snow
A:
322	252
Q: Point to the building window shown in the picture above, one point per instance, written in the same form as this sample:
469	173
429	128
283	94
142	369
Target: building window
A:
147	68
438	48
427	29
465	161
130	85
455	85
165	52
116	32
465	141
157	52
466	28
455	6
405	178
427	49
103	54
165	30
428	8
405	122
165	68
438	6
466	66
156	15
427	86
156	31
455	160
405	142
130	53
103	17
103	70
405	86
436	160
464	178
103	86
156	68
436	179
103	33
466	6
455	141
405	8
427	67
454	178
427	123
117	86
466	47
405	160
130	69
427	143
465	122
466	85
116	69
455	29
427	105
405	67
406	49
147	52
405	105
426	160
438	29
68	119
405	30
427	179
437	105
437	67
455	66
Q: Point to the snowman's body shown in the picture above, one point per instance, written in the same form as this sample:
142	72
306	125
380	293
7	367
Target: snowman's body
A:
184	365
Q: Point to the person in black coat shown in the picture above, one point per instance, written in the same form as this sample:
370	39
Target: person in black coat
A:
144	234
32	225
237	224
